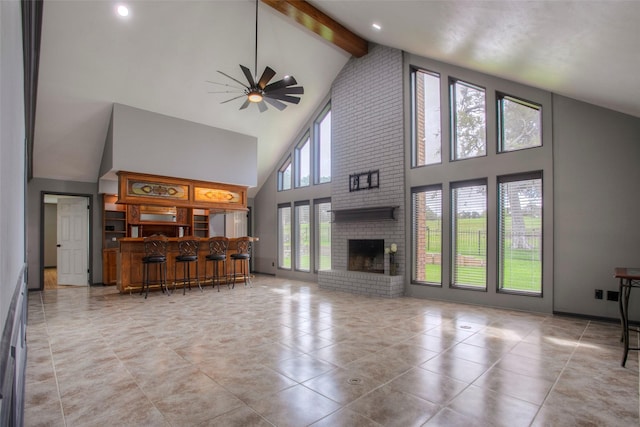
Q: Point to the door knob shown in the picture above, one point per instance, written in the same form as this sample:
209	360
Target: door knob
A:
58	245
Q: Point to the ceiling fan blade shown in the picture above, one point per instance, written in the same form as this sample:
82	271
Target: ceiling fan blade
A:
266	76
229	100
225	84
245	104
295	90
288	81
235	80
287	98
247	74
262	106
274	102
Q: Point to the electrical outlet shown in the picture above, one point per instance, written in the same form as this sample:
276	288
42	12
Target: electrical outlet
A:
612	295
273	264
599	293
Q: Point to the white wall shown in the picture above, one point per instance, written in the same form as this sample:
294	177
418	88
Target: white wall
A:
12	154
147	142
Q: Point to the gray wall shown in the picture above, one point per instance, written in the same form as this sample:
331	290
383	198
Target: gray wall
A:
12	155
35	188
589	162
597	200
147	142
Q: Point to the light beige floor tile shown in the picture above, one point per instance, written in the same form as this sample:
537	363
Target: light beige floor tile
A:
391	407
295	406
493	408
238	358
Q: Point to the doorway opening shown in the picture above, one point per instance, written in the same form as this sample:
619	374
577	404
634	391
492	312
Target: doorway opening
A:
65	236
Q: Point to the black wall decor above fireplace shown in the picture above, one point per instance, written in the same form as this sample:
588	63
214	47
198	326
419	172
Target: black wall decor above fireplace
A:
364	180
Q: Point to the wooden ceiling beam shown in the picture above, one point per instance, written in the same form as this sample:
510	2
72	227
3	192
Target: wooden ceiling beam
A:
321	24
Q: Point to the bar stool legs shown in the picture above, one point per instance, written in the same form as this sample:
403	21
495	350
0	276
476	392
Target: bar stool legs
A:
188	253
161	273
186	274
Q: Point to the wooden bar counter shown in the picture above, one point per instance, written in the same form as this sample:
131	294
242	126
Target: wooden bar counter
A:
131	252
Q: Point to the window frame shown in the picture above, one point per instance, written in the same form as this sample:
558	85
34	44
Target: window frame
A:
280	238
317	143
414	240
281	173
500	97
305	141
318	234
452	234
414	113
504	179
453	119
296	236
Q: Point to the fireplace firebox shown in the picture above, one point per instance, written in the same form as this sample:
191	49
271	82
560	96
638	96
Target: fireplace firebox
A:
366	255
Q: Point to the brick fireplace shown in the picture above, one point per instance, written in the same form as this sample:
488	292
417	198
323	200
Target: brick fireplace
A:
368	135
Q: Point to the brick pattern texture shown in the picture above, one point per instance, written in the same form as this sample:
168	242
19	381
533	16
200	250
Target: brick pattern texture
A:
368	134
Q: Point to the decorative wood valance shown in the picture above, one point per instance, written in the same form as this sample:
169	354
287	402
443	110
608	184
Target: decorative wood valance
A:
136	188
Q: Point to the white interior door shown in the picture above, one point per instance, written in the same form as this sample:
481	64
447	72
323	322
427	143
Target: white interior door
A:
73	242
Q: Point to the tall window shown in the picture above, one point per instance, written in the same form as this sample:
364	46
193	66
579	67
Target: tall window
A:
427	234
323	234
323	144
284	236
520	233
303	236
519	124
427	135
469	128
303	163
469	234
284	176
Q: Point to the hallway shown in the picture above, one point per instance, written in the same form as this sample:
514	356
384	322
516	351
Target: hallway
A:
286	353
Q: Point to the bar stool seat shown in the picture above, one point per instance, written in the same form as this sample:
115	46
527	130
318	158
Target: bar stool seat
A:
188	253
243	254
155	249
218	246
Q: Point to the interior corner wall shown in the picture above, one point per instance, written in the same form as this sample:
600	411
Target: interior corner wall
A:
265	255
12	155
147	142
35	188
597	200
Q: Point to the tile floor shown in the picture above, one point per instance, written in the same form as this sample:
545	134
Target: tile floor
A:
285	353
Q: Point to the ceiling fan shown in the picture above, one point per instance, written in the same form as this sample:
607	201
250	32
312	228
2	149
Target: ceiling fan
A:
261	92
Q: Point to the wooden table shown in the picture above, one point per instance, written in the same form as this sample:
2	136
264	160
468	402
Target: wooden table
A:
629	279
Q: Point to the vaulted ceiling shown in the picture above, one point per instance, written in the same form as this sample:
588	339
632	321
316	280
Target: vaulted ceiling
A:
161	57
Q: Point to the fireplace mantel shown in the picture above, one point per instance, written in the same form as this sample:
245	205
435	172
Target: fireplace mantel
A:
378	213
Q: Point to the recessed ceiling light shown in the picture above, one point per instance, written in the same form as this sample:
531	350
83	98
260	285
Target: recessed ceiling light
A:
376	26
123	10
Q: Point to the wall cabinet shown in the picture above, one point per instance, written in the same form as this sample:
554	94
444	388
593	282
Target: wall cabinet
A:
114	227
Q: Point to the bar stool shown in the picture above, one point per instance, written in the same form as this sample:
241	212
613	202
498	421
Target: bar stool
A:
155	252
218	246
243	255
187	254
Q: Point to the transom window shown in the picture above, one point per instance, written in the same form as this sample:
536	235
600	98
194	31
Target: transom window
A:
323	146
519	124
284	176
426	129
469	127
303	163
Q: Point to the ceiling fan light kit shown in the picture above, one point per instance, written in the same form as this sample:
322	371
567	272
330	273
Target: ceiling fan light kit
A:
261	92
